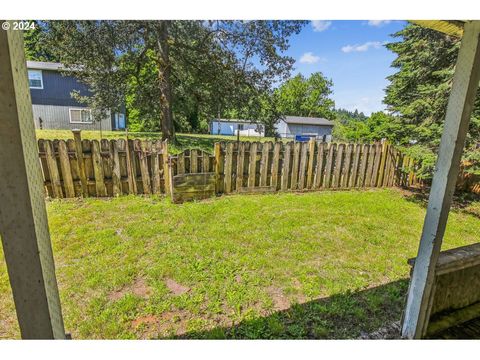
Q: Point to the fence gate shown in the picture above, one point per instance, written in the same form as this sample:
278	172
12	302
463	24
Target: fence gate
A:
193	176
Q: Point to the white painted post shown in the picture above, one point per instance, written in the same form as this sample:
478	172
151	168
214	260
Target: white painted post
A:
23	217
460	104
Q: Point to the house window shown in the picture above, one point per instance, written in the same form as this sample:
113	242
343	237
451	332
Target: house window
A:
35	79
240	127
83	116
119	121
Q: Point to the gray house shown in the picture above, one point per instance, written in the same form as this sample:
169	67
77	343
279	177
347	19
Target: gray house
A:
55	108
291	126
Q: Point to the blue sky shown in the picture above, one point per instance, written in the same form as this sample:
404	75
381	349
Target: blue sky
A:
351	53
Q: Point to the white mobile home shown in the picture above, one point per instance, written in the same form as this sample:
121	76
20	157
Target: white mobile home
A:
234	126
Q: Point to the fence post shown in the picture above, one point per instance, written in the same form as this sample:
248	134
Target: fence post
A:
228	168
77	138
240	164
97	162
132	178
382	164
167	174
53	170
388	165
66	170
311	153
144	149
218	179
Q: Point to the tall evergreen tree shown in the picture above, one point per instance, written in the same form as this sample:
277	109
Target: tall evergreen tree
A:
418	92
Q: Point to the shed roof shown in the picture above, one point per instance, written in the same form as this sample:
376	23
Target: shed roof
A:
307	120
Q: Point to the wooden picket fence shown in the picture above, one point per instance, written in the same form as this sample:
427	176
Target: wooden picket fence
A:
79	167
269	167
99	168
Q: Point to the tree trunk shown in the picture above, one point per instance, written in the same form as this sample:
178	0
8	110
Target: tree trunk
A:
164	71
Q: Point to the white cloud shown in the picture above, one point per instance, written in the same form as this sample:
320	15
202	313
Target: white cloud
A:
309	58
320	25
362	47
378	23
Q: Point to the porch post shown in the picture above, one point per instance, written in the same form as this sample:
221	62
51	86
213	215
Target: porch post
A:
460	104
23	218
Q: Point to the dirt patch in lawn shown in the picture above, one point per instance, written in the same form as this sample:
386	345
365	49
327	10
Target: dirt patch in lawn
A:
391	331
138	288
169	323
176	288
148	320
280	301
300	297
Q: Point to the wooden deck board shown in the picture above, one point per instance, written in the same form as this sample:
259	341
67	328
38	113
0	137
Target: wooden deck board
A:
468	331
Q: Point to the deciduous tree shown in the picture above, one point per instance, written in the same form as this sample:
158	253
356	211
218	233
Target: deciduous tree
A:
171	70
301	96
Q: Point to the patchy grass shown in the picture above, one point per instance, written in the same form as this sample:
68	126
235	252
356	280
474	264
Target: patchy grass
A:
184	141
312	265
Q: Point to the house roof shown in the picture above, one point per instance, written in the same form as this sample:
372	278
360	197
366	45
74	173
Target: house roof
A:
44	65
307	120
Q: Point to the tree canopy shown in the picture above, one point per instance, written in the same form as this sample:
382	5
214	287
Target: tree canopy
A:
301	96
34	46
360	128
173	73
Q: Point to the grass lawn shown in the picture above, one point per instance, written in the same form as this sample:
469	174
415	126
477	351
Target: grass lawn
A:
312	265
184	141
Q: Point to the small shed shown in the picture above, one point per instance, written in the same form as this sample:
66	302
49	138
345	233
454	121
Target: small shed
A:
291	126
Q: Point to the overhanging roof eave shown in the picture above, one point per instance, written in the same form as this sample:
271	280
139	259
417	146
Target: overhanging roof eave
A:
449	27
